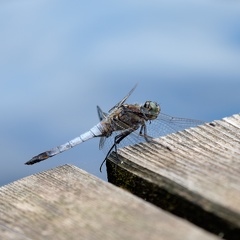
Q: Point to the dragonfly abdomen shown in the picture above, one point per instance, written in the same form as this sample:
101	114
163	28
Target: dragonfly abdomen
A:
96	131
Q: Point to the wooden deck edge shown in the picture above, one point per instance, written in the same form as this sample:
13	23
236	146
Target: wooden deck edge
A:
167	194
173	198
68	203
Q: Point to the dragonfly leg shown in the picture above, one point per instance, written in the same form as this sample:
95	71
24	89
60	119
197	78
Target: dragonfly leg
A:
143	132
117	140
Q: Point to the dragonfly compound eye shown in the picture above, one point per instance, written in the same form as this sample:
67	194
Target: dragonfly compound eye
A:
152	109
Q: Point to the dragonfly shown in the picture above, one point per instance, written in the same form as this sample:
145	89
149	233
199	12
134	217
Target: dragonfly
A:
125	124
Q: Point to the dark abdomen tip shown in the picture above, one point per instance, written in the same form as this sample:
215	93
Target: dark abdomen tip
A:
38	158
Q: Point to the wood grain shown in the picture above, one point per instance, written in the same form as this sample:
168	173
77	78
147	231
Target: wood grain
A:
68	203
199	179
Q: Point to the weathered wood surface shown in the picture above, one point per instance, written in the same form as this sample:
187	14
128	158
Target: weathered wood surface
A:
198	180
68	203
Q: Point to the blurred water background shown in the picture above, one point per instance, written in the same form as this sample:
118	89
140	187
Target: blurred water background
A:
59	59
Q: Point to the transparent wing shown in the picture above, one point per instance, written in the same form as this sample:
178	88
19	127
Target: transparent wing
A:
102	142
123	100
132	139
162	126
166	124
101	115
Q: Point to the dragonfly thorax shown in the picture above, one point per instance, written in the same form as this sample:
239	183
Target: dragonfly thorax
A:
150	110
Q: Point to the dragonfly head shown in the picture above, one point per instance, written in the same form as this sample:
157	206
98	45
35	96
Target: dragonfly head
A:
151	110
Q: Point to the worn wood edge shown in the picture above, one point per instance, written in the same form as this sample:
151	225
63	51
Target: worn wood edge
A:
172	197
224	218
68	203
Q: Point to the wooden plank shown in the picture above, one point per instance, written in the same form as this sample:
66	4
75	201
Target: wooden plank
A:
198	180
68	203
